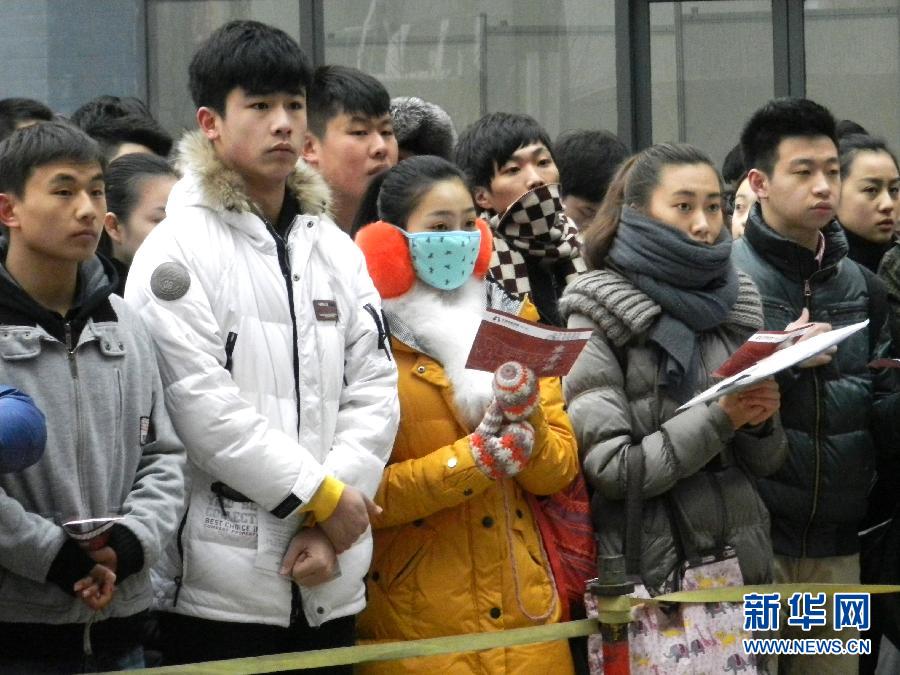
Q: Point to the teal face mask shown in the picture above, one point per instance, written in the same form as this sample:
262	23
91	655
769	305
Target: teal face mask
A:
444	259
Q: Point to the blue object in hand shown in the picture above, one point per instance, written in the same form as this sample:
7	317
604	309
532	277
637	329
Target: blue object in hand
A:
23	431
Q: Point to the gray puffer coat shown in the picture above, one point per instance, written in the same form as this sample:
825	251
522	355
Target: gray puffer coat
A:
693	459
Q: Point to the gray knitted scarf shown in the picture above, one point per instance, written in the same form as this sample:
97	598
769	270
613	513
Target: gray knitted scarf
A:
684	288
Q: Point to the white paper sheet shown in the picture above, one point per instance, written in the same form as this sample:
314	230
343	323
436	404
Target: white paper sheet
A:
780	360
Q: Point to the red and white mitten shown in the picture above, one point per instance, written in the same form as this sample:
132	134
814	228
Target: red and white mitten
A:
516	390
500	451
512	447
480	441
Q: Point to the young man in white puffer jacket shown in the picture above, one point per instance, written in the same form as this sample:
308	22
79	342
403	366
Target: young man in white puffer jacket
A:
277	369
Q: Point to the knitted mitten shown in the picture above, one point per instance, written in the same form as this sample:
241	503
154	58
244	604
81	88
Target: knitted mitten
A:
512	448
480	441
516	390
500	451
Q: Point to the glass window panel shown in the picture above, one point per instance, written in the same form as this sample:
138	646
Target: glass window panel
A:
554	60
853	61
176	28
62	54
711	67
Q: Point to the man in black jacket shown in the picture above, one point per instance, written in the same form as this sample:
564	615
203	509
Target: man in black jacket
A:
833	410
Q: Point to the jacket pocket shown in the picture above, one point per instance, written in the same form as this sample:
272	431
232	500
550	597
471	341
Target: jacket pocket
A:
398	559
777	314
526	532
530	567
846	313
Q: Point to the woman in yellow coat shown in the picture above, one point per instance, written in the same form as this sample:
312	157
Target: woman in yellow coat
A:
457	549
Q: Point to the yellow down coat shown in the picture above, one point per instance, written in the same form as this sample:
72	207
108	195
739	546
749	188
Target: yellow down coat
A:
456	552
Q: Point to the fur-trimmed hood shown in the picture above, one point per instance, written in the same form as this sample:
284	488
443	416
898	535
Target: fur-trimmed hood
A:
222	188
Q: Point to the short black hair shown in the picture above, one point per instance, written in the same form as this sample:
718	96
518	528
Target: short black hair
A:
28	149
587	161
111	121
105	107
852	144
14	111
734	166
489	142
341	89
258	58
113	132
850	128
783	118
422	128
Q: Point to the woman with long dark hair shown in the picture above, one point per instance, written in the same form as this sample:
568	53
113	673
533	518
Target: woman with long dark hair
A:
668	308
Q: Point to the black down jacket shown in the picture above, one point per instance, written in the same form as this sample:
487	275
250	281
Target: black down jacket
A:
831	414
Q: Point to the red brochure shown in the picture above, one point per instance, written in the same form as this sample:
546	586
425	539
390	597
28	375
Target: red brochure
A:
547	350
760	345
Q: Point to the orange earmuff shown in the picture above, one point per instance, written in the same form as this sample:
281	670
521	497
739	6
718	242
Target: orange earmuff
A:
483	261
388	261
387	258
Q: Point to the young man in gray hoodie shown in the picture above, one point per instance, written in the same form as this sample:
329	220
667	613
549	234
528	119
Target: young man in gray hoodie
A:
72	604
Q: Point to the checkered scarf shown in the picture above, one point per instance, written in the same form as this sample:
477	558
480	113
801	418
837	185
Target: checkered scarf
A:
534	225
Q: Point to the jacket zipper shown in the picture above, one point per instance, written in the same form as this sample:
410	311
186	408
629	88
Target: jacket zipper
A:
807	296
79	422
281	249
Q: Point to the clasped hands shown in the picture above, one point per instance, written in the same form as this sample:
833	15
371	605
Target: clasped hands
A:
311	557
97	588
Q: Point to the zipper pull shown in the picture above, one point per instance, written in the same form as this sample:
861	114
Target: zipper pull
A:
807	292
86	647
69	346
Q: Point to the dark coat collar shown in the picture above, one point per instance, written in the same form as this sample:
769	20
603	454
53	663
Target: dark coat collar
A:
793	260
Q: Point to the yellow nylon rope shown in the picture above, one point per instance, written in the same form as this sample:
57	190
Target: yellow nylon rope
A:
614	609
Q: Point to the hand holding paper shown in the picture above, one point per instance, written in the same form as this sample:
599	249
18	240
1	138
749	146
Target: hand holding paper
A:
752	406
818	328
780	360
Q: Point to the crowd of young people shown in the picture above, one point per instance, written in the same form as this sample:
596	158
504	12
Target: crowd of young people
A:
273	412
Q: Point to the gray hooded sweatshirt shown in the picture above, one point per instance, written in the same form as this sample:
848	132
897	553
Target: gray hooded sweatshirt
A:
110	450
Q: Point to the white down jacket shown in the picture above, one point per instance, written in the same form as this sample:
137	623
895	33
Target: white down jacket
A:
274	378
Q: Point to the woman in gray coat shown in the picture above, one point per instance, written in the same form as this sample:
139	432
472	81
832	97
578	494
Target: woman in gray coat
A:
667	308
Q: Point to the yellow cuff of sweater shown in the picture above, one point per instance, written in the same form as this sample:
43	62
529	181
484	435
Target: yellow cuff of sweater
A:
326	499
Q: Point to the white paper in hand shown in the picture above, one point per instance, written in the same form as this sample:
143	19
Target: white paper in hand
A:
780	360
